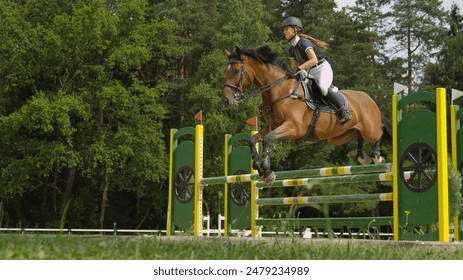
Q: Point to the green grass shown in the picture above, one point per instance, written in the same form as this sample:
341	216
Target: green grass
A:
55	247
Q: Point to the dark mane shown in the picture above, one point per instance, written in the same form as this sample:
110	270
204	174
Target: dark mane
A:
263	54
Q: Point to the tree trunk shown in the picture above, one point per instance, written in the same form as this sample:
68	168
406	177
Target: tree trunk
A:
104	196
55	189
68	189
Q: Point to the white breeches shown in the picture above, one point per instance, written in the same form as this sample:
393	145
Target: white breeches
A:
323	76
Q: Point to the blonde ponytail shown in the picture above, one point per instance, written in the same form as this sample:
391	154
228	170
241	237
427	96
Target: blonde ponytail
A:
319	43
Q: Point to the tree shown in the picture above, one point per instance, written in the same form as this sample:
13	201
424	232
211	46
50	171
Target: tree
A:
87	119
192	39
448	70
416	26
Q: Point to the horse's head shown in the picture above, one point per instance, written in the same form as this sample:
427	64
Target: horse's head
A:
236	78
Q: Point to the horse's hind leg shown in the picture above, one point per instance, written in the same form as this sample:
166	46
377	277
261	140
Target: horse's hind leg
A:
377	154
361	157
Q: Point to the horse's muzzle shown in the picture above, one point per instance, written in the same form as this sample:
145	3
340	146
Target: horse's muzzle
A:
225	101
228	100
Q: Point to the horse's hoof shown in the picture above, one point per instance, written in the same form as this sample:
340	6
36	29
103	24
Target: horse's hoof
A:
378	160
364	160
270	178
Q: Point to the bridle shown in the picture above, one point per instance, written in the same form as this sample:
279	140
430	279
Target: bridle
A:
243	95
238	94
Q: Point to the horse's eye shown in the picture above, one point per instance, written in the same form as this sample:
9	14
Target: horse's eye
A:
236	71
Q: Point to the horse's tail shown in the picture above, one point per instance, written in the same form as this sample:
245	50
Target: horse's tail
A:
387	129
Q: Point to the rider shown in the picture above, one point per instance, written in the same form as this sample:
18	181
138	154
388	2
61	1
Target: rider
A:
306	53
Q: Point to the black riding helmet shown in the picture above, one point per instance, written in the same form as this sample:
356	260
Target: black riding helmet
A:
292	21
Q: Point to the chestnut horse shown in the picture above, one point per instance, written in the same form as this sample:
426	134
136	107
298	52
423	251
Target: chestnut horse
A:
287	114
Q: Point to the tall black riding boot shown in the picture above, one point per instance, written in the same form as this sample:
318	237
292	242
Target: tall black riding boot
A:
337	100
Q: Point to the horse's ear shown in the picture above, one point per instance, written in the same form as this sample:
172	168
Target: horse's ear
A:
238	51
227	53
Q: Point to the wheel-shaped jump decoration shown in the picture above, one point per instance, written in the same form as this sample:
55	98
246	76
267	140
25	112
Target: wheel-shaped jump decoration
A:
184	184
418	167
240	191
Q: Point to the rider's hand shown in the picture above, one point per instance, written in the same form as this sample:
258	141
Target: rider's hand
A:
293	72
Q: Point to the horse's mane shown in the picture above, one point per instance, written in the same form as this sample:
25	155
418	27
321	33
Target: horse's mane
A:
263	54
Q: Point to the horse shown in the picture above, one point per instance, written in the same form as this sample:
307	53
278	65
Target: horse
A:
286	111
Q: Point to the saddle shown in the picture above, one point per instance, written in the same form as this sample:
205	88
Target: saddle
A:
315	101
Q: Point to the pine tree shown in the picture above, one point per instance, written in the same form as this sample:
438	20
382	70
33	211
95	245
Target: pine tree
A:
417	29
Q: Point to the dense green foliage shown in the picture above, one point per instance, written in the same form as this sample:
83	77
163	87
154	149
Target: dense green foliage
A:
90	88
43	247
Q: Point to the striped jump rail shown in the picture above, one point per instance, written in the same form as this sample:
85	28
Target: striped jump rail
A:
308	200
331	222
360	178
313	172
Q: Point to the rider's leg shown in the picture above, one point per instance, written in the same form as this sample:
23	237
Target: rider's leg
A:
337	100
324	76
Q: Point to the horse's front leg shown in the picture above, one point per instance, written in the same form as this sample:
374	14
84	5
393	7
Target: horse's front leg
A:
265	164
284	131
254	154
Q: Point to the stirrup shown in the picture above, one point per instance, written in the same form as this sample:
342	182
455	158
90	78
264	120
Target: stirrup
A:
343	116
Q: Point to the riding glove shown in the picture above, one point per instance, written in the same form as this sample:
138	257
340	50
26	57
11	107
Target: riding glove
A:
293	72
